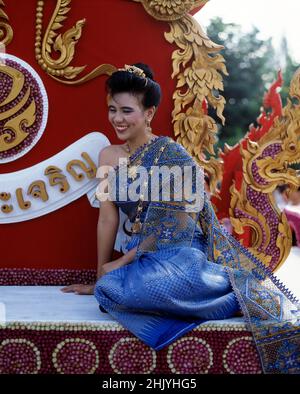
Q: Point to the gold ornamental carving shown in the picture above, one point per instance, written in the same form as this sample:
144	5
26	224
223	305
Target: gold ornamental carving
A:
6	31
60	68
170	10
13	129
198	67
266	165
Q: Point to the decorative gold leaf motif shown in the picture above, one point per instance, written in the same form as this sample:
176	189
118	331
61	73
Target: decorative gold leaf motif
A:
197	66
170	10
6	31
18	81
60	68
295	86
14	133
63	44
265	166
15	125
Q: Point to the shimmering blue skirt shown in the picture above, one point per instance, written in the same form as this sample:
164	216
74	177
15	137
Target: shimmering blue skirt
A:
162	295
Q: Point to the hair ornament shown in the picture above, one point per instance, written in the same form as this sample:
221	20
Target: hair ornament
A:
134	70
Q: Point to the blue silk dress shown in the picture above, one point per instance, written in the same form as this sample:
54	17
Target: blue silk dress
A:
188	270
161	296
164	294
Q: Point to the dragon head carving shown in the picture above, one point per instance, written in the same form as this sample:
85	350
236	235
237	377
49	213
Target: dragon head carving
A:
252	171
267	164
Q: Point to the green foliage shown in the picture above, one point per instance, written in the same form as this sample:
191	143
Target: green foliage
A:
289	67
252	66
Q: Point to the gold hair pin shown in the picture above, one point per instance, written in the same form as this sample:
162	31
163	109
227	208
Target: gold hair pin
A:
134	70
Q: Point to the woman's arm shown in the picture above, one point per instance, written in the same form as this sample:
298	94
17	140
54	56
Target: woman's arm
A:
107	229
113	265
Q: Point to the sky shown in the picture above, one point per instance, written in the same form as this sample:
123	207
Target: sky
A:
274	18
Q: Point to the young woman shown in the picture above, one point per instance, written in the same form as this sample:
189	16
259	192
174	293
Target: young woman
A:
181	268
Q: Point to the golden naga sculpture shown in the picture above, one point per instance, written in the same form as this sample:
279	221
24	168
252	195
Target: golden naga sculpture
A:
60	69
6	31
265	166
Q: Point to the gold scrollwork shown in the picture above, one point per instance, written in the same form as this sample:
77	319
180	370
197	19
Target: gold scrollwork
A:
14	133
89	171
170	10
37	189
6	31
60	68
200	80
57	178
196	85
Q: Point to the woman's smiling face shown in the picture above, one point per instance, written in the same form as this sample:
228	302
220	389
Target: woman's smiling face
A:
127	115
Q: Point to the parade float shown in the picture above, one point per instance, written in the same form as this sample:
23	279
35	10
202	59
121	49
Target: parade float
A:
55	57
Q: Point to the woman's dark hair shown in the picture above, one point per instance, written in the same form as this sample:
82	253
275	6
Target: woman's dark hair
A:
282	188
124	81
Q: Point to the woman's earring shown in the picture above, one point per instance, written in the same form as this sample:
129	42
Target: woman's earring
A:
148	127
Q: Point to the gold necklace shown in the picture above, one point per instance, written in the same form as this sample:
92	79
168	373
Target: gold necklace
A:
131	151
132	169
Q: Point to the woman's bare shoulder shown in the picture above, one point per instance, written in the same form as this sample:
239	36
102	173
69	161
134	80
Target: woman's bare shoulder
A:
110	155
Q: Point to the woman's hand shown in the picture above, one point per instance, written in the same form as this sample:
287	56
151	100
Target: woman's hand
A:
89	289
79	289
112	265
